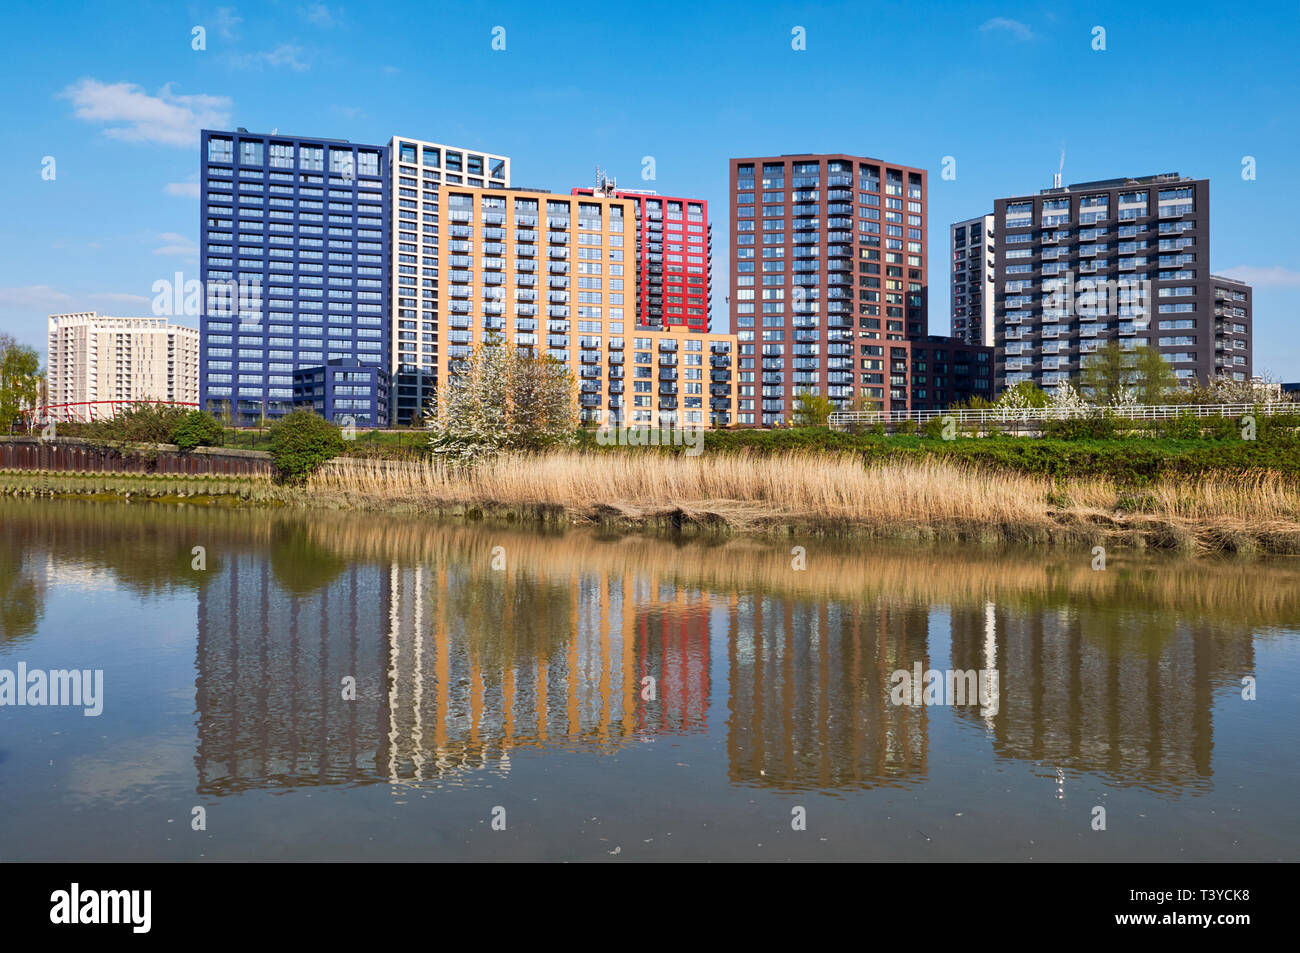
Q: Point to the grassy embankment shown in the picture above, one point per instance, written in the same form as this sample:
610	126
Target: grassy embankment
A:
1188	494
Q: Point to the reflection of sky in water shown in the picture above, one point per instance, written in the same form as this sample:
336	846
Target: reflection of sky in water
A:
528	688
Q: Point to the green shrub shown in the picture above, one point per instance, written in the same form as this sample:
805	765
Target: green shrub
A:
1094	427
1182	427
139	423
300	443
1222	428
196	429
933	428
906	427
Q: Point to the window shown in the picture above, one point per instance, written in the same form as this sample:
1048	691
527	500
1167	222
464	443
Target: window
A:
281	155
250	153
342	162
220	150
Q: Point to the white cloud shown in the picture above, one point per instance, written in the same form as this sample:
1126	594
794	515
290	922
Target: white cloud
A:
1014	27
177	245
189	190
34	298
167	119
285	55
1273	276
118	297
320	15
227	21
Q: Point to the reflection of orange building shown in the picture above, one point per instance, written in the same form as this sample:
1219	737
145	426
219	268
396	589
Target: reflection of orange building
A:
521	662
455	670
1128	694
810	694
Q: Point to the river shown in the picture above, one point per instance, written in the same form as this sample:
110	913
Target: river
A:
291	685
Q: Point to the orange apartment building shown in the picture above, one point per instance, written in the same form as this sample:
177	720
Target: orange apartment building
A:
558	273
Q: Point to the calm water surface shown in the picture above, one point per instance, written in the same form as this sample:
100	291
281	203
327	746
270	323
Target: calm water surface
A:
520	678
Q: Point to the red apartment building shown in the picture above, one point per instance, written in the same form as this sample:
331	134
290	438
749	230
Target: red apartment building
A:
674	248
828	269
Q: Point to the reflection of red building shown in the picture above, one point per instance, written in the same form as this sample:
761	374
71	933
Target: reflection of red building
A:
672	647
456	669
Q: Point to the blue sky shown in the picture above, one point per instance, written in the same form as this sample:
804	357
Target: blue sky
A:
115	94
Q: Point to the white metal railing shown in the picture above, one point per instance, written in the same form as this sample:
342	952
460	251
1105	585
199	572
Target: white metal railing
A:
843	419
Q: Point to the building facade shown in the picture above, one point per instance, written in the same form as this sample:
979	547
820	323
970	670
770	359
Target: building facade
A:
1124	260
419	168
972	247
95	361
828	263
947	371
1233	328
557	273
294	263
674	250
348	393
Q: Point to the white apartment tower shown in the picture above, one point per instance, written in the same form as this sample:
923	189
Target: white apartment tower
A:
972	258
418	169
94	359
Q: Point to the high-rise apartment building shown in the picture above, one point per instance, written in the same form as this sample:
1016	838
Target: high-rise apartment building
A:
294	245
674	250
557	273
95	361
419	168
1233	328
972	247
828	263
1123	260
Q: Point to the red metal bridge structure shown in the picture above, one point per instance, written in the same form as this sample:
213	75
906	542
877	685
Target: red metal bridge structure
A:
87	410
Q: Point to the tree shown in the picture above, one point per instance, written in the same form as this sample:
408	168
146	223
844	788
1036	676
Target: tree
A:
1264	389
197	429
1067	400
300	442
1155	380
504	398
20	378
1022	396
141	422
1105	374
811	410
1113	376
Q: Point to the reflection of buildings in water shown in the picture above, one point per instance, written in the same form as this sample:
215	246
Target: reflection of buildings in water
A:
810	700
454	670
22	588
509	661
270	670
1125	693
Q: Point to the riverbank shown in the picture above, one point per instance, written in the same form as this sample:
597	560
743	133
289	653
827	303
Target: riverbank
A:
799	493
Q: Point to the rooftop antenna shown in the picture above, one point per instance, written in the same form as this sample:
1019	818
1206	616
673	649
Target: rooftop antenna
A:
1056	179
605	185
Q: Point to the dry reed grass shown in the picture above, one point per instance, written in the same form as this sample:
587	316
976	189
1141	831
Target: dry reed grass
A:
834	491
